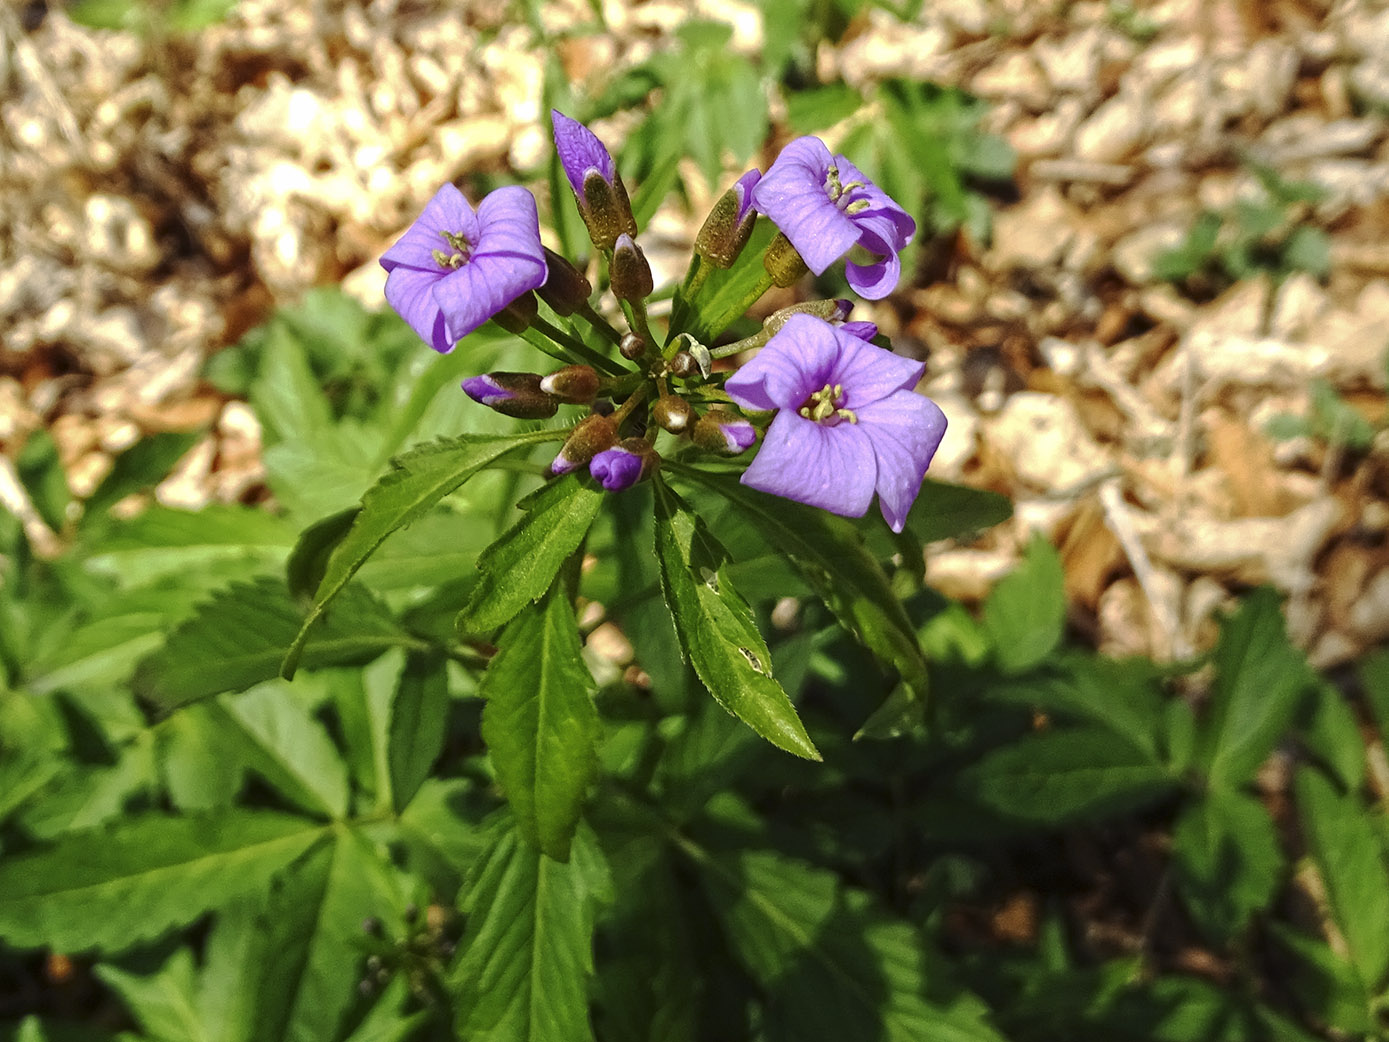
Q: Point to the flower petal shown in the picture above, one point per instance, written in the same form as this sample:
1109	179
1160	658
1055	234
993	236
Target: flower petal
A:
905	429
833	468
410	292
794	364
448	211
792	193
579	151
868	373
506	261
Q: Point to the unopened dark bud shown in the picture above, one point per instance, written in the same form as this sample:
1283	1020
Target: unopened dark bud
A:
566	288
573	385
672	414
682	364
590	436
834	311
723	432
727	228
632	346
371	926
511	394
517	316
606	210
631	275
782	262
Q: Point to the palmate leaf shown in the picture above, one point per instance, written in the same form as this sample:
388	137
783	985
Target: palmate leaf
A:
833	966
527	958
716	628
832	558
1227	861
237	640
416	483
110	888
540	725
520	566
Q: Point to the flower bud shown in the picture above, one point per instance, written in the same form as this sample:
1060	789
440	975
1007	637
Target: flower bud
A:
631	275
516	317
590	436
511	394
622	466
631	346
672	414
727	228
833	311
573	385
682	364
566	288
606	210
782	262
723	432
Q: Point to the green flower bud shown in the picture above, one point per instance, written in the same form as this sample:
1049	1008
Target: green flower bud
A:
672	414
782	262
573	385
631	275
590	436
566	288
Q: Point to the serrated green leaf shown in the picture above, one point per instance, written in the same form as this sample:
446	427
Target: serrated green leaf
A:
1227	861
416	483
1350	858
716	628
539	723
308	561
163	1002
146	875
237	640
139	468
418	721
40	470
946	511
1331	732
520	566
162	543
832	558
1259	680
1067	774
1025	612
528	954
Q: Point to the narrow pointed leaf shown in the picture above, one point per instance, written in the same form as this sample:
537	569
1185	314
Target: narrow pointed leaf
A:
145	874
520	566
416	483
540	724
832	558
237	640
716	629
524	972
417	726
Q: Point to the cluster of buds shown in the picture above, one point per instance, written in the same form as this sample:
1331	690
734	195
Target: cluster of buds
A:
825	396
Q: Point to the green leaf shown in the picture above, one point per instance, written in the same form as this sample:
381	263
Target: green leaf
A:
308	561
237	639
1026	612
40	471
833	966
164	1002
716	629
539	723
1331	732
1227	860
832	558
946	511
419	713
523	973
416	483
163	543
1068	774
139	468
1259	679
144	874
1350	858
520	566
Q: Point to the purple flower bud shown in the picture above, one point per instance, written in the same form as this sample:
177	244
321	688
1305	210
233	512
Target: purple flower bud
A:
723	432
729	225
865	331
783	262
566	288
602	197
623	465
630	277
511	394
590	436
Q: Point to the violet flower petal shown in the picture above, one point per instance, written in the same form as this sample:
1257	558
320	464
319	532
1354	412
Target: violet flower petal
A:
833	468
782	377
906	429
448	211
507	260
410	292
867	372
615	469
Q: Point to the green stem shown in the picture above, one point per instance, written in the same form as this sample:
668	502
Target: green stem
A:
600	324
746	344
639	323
695	276
546	329
736	312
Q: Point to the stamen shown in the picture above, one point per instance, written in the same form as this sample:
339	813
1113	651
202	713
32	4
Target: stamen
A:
823	406
461	251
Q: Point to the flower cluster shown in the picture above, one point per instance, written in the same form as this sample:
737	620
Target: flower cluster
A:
842	420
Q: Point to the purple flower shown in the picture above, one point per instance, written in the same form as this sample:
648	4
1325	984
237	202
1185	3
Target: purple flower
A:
862	330
721	431
453	269
850	423
616	468
825	206
729	225
744	188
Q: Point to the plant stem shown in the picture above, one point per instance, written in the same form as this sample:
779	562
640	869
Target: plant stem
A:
542	328
734	313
